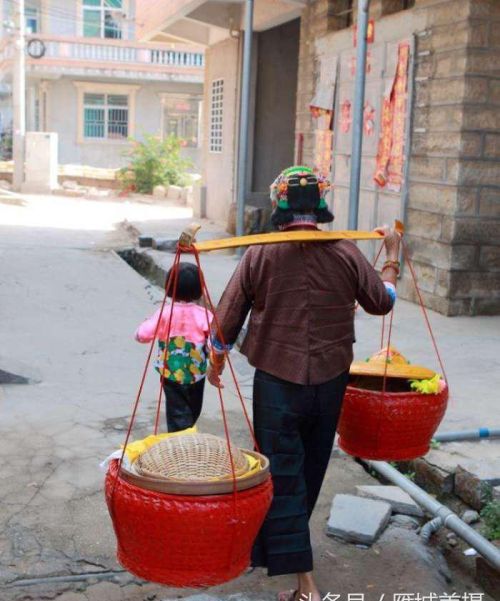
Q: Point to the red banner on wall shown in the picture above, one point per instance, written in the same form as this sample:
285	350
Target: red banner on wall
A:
390	155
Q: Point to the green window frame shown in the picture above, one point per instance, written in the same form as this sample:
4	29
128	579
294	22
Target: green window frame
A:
105	116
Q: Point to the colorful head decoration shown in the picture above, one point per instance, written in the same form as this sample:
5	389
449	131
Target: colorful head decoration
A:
298	190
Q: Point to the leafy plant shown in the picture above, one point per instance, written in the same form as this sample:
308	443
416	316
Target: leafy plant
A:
154	162
491	517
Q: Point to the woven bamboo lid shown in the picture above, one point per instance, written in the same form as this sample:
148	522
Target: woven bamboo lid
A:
397	366
191	457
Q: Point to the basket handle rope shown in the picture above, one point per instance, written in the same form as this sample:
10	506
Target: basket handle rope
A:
186	245
143	377
400	228
406	255
175	269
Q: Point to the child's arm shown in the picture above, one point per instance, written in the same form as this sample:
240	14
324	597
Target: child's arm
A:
146	331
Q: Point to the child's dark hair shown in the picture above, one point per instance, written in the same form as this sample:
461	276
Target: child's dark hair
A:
188	282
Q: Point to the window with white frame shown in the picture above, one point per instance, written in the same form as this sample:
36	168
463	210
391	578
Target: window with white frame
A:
216	115
102	18
105	116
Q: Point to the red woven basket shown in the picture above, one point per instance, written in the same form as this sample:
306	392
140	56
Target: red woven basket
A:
389	426
185	541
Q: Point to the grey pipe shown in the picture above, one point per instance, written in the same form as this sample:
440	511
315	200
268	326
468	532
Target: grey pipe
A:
430	528
108	575
357	113
448	518
467	435
244	119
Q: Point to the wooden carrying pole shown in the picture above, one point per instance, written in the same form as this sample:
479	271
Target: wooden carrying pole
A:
187	238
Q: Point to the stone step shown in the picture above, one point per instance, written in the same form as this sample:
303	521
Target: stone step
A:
358	520
398	499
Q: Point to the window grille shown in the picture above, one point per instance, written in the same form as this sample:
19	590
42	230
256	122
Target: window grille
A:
181	118
216	115
31	19
393	6
340	12
105	116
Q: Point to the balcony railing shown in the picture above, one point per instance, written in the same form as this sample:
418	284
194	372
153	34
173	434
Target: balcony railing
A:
115	54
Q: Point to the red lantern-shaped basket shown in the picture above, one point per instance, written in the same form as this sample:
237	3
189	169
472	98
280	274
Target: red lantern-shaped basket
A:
185	540
390	423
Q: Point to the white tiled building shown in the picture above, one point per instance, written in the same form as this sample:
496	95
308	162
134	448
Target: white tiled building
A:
92	82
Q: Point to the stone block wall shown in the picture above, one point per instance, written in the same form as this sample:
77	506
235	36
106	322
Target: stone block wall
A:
453	208
453	213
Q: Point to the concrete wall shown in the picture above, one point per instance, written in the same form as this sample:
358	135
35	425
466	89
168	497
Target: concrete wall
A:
453	208
63	119
222	62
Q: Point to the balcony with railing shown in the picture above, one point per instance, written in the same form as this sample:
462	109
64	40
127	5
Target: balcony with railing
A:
59	55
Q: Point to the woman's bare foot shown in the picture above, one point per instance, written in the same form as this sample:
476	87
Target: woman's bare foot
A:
308	591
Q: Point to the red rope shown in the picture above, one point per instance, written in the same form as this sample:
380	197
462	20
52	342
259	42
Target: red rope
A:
384	381
422	306
175	271
208	301
226	354
139	392
377	256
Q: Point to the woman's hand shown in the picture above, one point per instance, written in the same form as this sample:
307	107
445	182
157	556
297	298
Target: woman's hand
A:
214	375
392	240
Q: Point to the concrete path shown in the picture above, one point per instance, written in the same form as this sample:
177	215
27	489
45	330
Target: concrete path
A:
68	309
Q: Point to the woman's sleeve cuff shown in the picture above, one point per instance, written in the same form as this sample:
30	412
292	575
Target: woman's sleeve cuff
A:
215	344
391	291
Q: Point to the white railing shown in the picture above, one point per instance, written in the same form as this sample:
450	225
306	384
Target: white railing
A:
120	52
178	59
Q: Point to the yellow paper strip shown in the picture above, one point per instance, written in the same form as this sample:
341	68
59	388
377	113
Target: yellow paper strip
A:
275	237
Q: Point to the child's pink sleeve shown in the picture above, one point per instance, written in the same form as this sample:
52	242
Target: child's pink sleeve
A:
146	331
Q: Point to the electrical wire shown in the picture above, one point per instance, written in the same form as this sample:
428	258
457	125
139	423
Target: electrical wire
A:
75	18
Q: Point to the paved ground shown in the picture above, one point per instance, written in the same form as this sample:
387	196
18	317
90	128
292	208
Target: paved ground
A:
68	309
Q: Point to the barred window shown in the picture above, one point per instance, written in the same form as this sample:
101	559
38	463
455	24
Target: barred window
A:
216	114
31	19
339	14
105	116
393	6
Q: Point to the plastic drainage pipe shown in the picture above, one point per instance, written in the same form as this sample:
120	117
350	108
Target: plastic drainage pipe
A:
467	435
449	518
430	528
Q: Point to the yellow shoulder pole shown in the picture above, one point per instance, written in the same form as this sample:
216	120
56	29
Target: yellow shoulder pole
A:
275	237
188	237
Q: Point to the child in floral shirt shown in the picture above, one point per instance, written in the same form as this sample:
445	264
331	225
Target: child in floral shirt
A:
182	359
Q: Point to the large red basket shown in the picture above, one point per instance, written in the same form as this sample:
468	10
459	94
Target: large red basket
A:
389	426
185	541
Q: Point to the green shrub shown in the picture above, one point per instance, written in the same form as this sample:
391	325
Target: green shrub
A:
491	517
154	162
